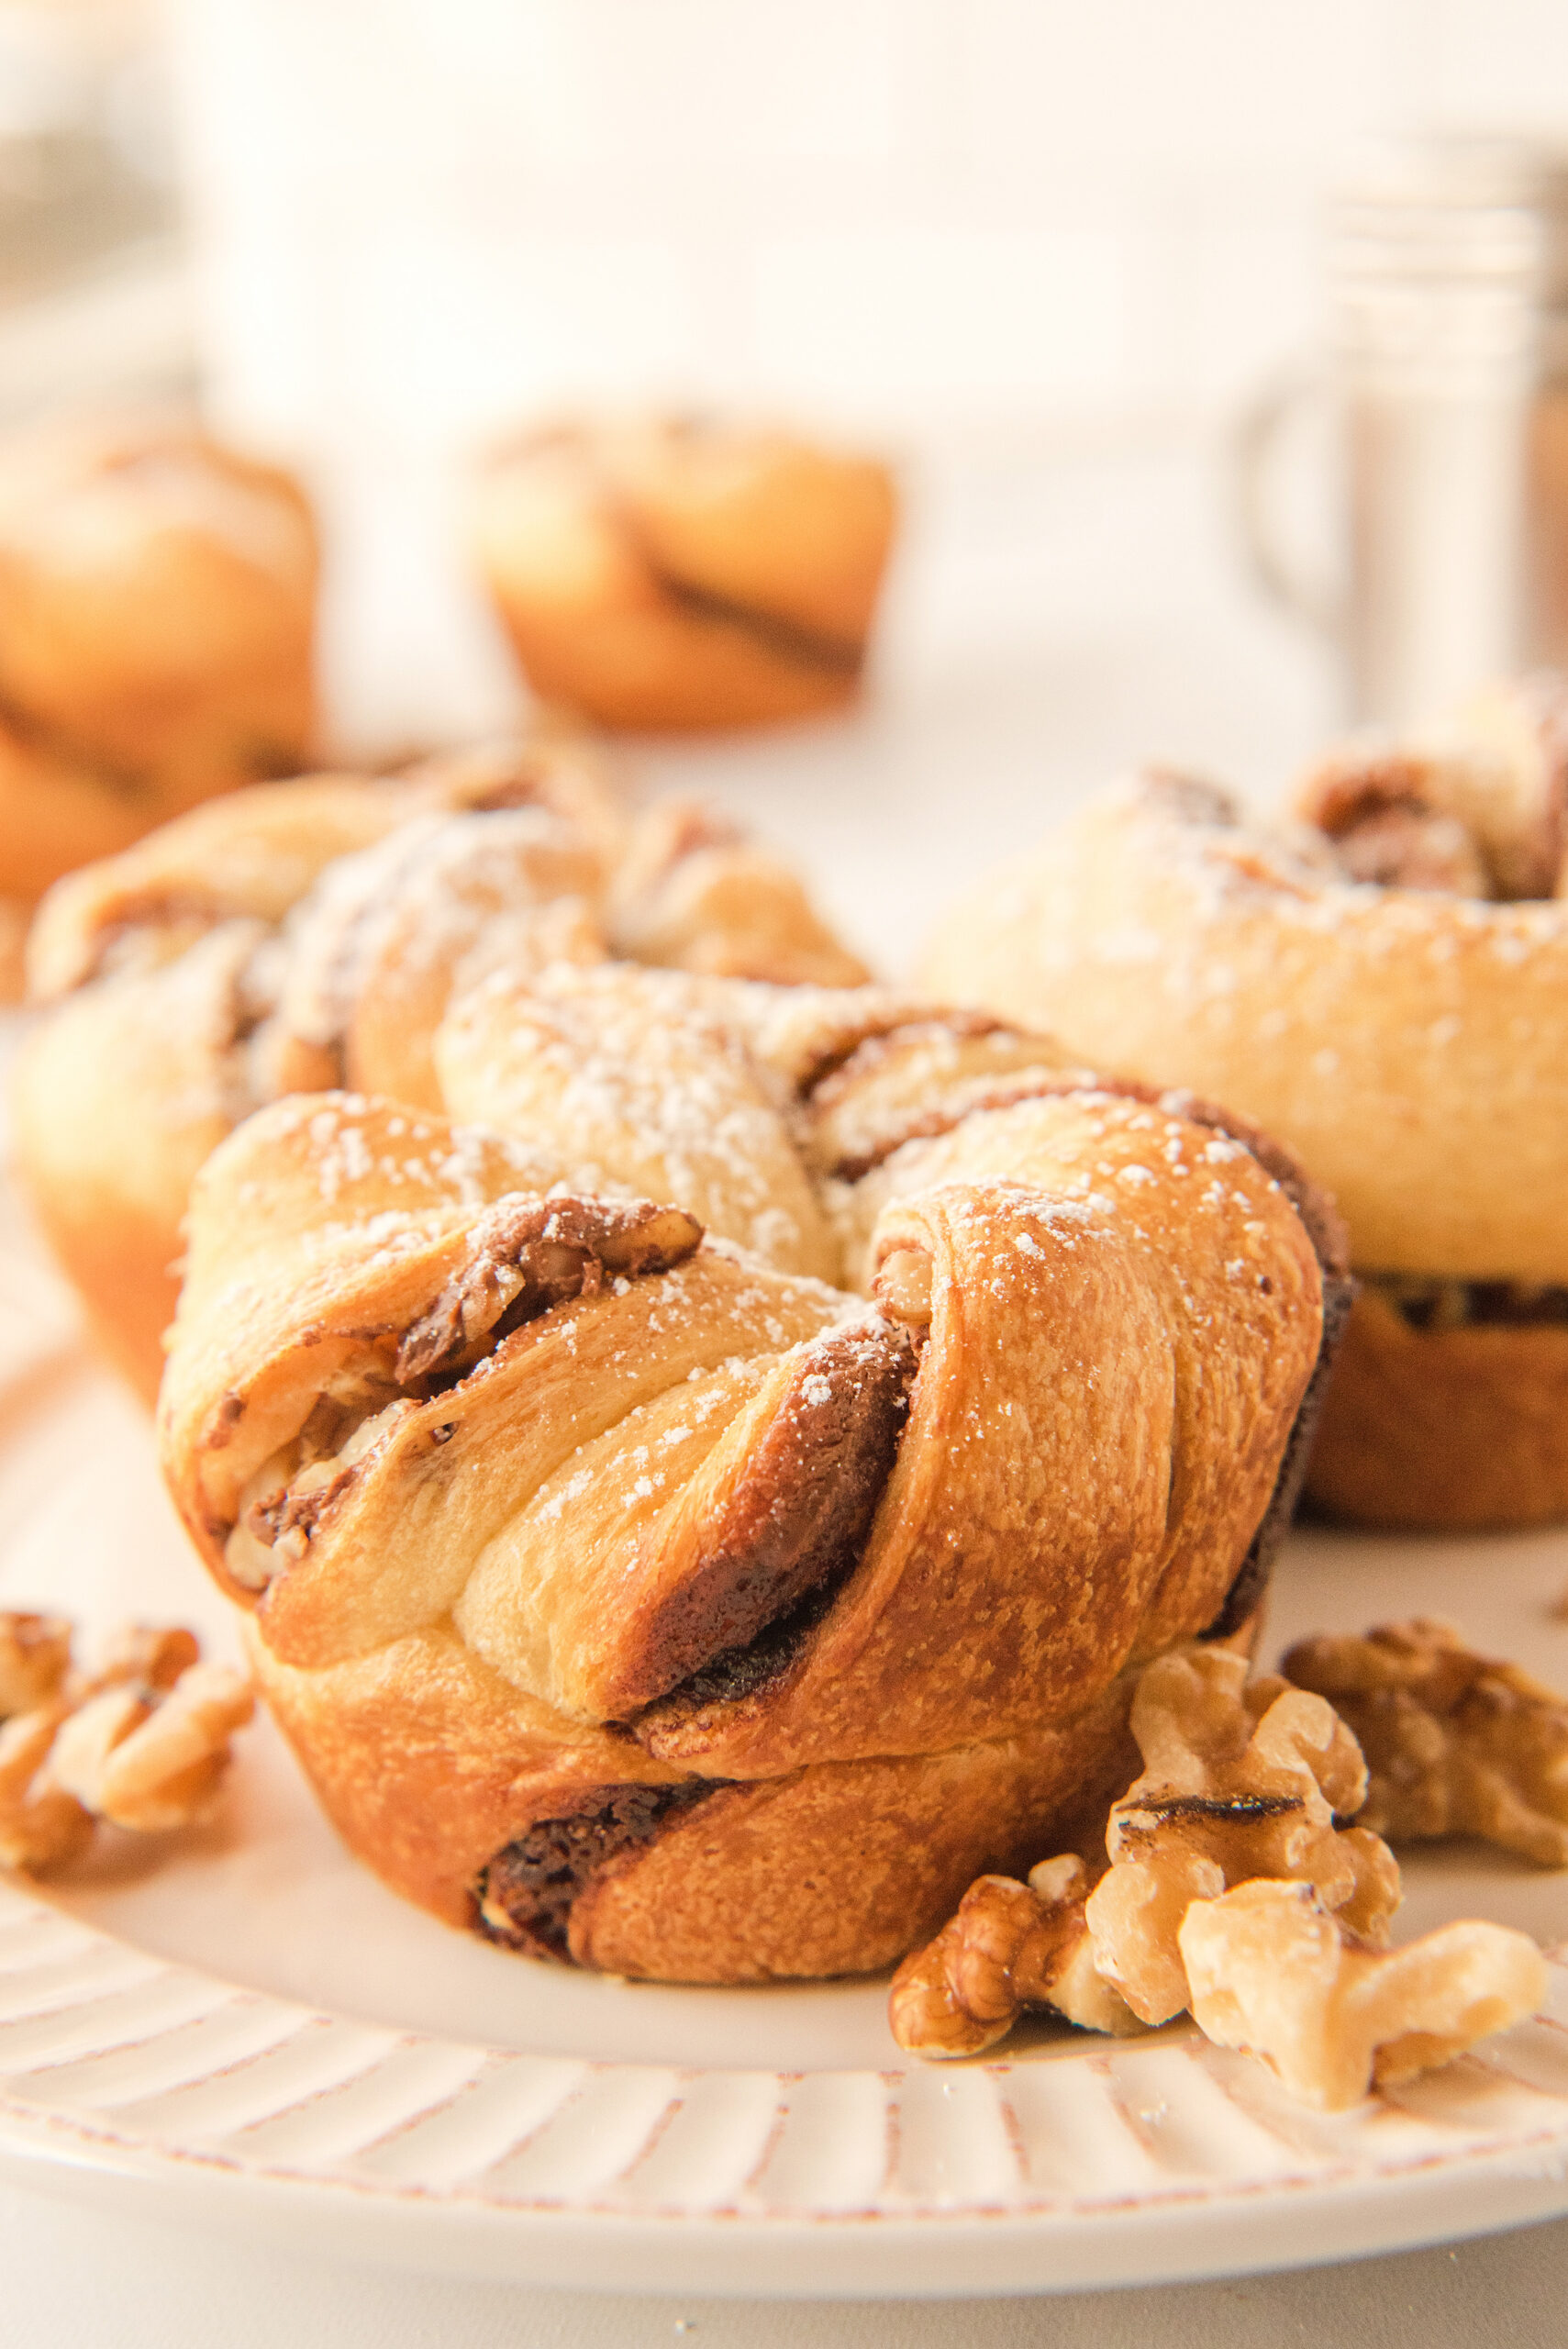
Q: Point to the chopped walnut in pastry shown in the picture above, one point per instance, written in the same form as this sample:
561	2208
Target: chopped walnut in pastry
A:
142	1743
1456	1743
1271	1970
1009	1946
1385	810
1238	1782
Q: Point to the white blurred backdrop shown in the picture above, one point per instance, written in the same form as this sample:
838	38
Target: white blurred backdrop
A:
1043	251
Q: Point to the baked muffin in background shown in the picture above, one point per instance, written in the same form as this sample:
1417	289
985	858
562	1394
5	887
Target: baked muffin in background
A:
157	616
671	574
310	933
1381	983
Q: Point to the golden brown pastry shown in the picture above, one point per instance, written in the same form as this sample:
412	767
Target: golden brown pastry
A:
635	1595
309	934
1372	988
679	575
156	608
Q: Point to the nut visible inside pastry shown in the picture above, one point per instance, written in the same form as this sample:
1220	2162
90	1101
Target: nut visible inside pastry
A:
524	1255
903	1287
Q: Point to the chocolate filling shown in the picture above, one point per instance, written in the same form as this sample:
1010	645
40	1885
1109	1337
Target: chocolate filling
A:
525	1255
832	1069
742	1671
1435	1305
798	1517
523	1897
787	639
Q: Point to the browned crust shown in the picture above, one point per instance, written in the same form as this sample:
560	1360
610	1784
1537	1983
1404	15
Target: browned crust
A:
432	1769
1324	1224
1443	1429
840	1867
1246	1593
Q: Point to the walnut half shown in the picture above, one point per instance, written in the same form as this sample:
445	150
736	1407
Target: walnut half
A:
142	1743
1239	1781
1271	1971
1235	1891
1009	1946
1456	1743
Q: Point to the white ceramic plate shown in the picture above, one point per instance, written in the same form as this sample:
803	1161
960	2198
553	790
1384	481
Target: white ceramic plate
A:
244	2027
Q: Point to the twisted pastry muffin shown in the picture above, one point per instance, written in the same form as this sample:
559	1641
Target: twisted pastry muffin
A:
309	934
157	605
675	575
1387	991
635	1596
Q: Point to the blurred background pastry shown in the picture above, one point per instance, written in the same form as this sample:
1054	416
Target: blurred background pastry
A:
309	934
680	575
156	616
1385	986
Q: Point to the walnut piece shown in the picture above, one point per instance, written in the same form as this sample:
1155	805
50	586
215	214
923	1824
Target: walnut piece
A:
1271	1970
149	1759
1238	1782
41	1826
34	1655
1456	1743
1009	1945
1390	814
142	1743
1234	1891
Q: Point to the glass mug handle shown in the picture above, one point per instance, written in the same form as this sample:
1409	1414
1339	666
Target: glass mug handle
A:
1262	430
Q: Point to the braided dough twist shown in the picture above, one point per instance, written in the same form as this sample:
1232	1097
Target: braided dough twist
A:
635	1594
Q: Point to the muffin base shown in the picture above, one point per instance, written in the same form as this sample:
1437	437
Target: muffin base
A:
1443	1431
